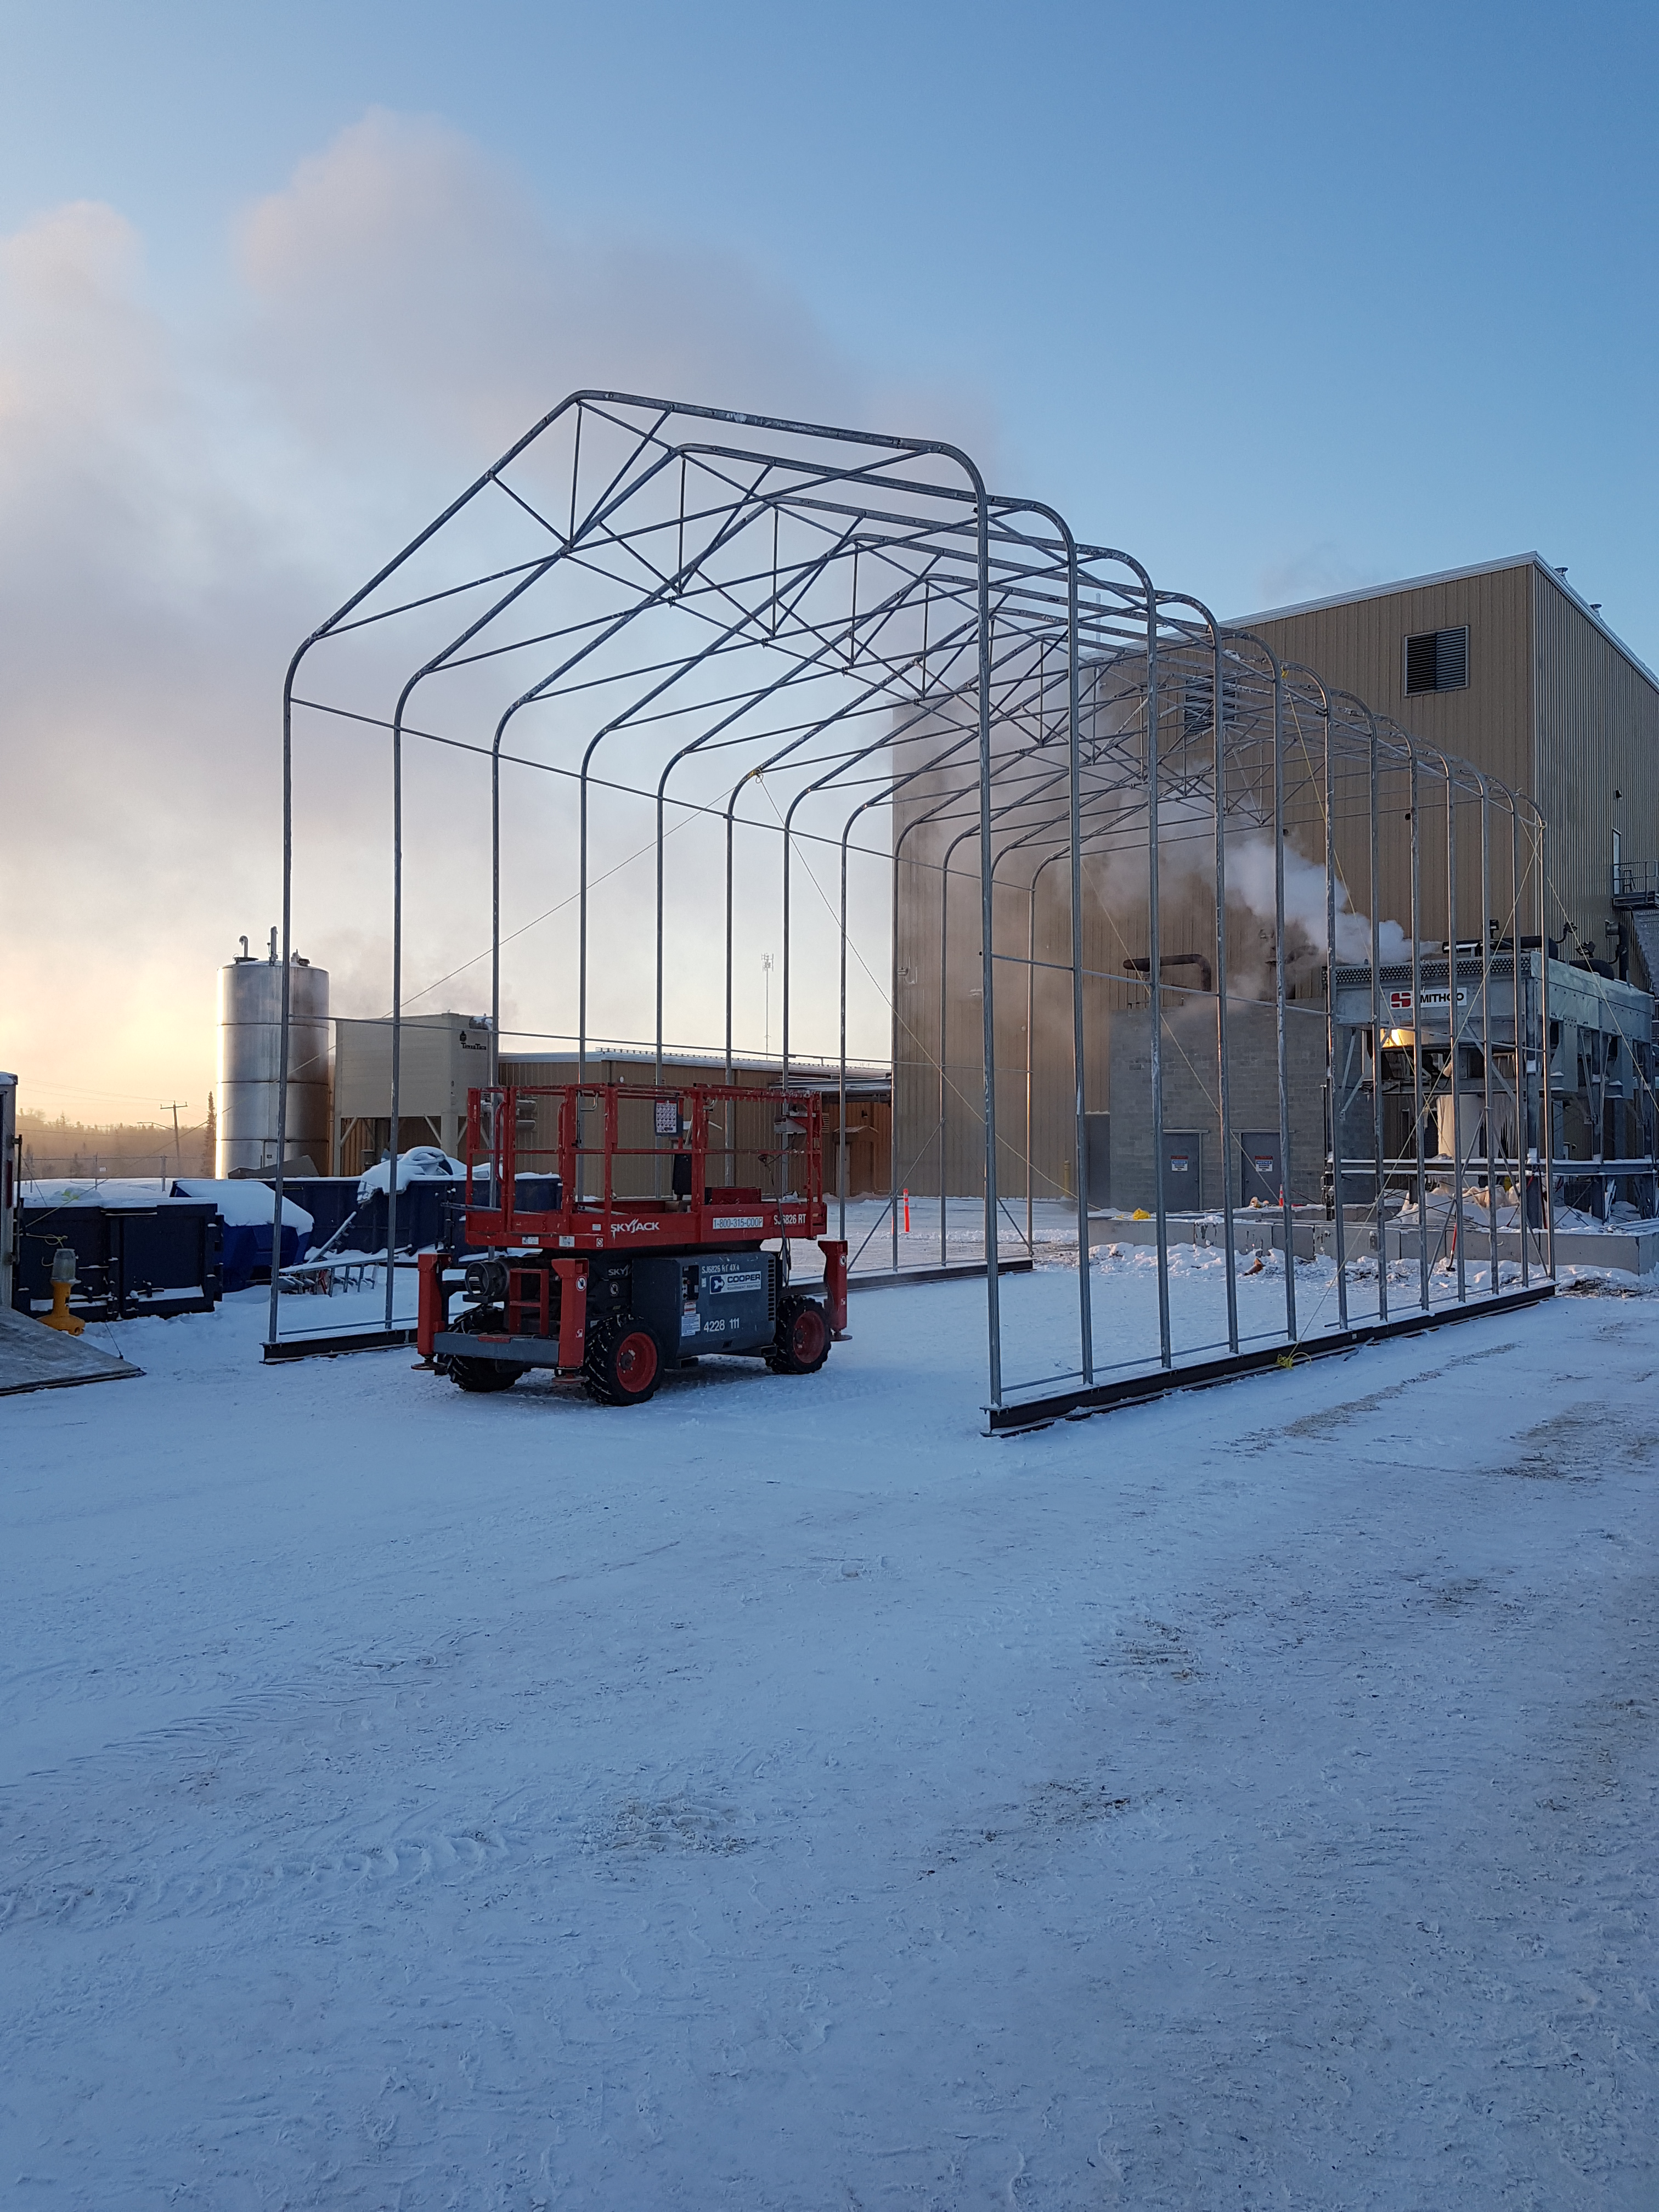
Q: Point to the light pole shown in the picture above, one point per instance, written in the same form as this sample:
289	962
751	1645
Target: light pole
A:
766	970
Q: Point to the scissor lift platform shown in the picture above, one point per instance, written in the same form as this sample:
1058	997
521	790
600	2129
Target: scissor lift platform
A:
593	1243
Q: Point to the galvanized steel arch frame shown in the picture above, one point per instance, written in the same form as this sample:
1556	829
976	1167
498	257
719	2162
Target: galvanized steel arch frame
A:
1030	611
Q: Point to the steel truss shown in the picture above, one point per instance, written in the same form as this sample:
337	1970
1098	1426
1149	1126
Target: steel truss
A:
838	647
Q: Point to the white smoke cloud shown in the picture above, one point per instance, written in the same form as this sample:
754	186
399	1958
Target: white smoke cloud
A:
1250	884
179	504
1187	897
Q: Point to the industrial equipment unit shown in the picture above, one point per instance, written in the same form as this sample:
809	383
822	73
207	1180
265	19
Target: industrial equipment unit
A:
1474	1077
629	1261
129	1257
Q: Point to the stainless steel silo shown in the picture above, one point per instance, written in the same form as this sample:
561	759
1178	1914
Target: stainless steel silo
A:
250	1063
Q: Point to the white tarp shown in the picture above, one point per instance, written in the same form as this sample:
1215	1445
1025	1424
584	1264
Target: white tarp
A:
421	1163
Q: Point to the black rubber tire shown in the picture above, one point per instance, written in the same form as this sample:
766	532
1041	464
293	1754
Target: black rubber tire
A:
483	1374
623	1364
802	1342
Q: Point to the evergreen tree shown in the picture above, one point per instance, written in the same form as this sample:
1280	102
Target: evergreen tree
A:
211	1139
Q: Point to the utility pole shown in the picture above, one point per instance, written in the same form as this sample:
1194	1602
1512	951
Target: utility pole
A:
766	970
173	1104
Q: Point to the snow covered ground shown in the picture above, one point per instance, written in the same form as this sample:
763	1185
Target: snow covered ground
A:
779	1796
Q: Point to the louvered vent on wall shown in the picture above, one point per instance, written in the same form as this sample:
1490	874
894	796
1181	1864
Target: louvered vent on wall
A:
1437	659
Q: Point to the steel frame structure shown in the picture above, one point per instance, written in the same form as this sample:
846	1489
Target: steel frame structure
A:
691	610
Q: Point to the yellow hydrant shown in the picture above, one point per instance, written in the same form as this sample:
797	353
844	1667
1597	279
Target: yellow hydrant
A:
62	1274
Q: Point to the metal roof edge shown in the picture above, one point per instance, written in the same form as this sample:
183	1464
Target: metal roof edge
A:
1593	619
1453	576
1390	591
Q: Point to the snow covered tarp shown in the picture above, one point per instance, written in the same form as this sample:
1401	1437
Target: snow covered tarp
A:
429	1180
421	1163
91	1190
246	1209
244	1204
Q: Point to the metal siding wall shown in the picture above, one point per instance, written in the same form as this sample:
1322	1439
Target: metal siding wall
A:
1551	709
1360	647
1598	731
915	1077
753	1134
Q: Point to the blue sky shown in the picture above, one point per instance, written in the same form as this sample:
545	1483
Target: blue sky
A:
1284	297
1282	301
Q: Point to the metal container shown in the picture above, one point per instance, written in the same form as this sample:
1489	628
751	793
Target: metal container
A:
122	1259
250	1064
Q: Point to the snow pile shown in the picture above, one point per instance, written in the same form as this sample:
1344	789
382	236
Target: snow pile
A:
1442	1212
421	1163
113	1190
1624	1218
245	1205
1609	1282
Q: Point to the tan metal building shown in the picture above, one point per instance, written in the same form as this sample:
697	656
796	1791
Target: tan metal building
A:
1501	665
442	1055
445	1055
1506	665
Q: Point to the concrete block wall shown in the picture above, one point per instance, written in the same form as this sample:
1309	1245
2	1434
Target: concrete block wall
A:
1191	1092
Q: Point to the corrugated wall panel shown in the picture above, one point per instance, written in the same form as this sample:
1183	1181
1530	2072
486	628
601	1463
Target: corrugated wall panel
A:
1551	709
1597	733
1360	647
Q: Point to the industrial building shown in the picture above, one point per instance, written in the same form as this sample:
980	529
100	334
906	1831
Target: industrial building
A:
445	1055
340	1083
1502	666
442	1057
1507	666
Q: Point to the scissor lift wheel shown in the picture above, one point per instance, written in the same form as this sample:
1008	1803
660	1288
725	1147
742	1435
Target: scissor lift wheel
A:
622	1364
483	1374
802	1343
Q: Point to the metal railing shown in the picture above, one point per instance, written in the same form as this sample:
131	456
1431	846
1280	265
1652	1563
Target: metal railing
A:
1635	883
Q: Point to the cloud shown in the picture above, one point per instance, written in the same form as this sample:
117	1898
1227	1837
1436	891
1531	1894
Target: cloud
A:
179	504
126	552
403	267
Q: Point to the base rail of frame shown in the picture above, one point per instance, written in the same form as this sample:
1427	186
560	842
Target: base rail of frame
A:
1140	1389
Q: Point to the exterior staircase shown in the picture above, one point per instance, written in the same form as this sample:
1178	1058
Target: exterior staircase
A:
1636	898
1643	922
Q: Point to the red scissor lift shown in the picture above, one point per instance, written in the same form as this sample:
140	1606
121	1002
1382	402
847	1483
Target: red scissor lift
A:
558	1269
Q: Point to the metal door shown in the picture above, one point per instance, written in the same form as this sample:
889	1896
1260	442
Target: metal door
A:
1183	1170
1098	1133
1260	1170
